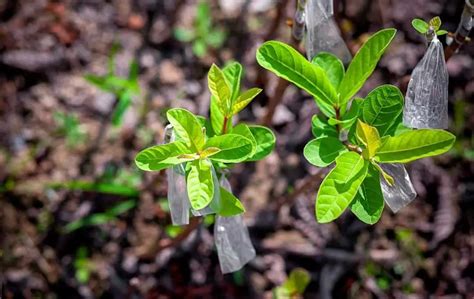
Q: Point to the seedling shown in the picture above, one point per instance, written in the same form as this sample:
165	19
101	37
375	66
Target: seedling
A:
294	286
83	265
96	219
425	28
207	147
122	88
68	126
372	125
203	35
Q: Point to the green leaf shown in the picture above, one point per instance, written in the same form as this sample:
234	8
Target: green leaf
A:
199	47
441	32
187	127
234	148
244	130
290	65
265	141
203	18
369	136
216	38
133	72
323	151
320	128
382	109
436	23
229	205
122	106
420	25
183	35
159	157
295	285
349	118
414	145
368	203
200	184
363	64
388	178
332	66
219	89
244	99
340	186
208	152
233	75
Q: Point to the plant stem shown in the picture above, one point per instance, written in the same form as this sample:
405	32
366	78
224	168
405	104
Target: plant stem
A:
224	125
464	28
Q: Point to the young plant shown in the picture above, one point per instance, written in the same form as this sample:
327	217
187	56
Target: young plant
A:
203	35
294	286
68	126
83	265
123	88
208	147
433	25
372	126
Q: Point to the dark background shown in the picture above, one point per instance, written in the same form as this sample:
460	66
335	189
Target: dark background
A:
46	47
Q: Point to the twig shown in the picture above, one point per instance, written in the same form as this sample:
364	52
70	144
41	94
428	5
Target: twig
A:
460	37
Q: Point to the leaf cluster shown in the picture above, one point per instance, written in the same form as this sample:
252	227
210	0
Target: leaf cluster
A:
123	88
372	125
423	27
204	35
208	146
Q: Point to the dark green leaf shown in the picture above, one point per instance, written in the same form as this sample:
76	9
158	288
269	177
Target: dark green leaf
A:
368	203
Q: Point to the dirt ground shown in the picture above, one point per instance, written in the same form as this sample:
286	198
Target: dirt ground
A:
46	47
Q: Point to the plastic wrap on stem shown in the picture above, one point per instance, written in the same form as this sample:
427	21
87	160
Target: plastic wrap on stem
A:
233	244
322	33
178	200
402	192
426	101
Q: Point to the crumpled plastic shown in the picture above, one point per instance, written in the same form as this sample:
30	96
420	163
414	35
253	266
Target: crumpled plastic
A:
322	33
426	101
232	240
178	200
402	192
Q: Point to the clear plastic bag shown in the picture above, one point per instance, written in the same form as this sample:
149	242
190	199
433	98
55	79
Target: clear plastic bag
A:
426	101
178	200
233	244
402	192
322	33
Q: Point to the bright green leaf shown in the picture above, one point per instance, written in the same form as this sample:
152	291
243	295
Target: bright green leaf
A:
441	32
368	136
436	23
234	148
219	89
265	141
187	127
210	151
323	151
229	205
159	157
414	145
200	184
368	203
382	109
340	186
420	25
320	128
216	38
244	99
183	35
244	130
199	47
289	64
332	66
364	63
233	75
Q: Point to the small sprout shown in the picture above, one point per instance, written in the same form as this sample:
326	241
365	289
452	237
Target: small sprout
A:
123	88
294	286
83	265
203	35
68	126
425	28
